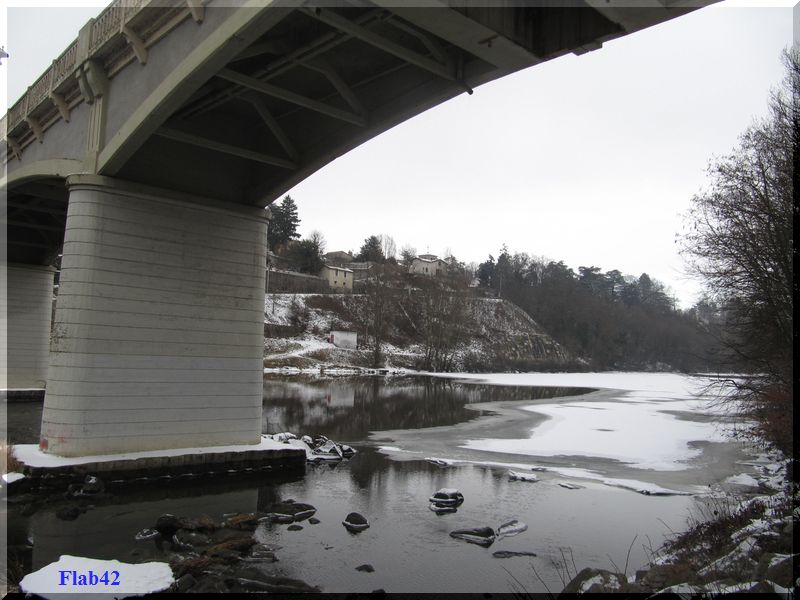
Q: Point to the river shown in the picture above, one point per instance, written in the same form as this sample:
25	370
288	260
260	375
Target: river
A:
621	460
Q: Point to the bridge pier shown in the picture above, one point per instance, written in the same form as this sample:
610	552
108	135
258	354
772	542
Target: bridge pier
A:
158	334
29	312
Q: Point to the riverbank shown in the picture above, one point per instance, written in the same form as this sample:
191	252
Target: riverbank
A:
492	335
739	543
577	503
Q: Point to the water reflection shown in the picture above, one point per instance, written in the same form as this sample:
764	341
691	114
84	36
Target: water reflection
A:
348	410
408	545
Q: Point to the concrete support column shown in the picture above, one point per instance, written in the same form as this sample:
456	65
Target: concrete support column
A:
159	330
29	309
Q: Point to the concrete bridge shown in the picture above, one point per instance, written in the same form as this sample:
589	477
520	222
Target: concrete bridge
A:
147	153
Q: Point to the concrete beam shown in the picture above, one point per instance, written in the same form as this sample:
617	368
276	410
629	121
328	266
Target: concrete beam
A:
242	28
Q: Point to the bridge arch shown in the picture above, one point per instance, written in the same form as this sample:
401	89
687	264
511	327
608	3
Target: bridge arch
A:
183	123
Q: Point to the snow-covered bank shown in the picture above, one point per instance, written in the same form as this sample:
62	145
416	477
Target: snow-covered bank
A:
493	334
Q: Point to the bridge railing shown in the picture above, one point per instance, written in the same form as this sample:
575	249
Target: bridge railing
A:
104	28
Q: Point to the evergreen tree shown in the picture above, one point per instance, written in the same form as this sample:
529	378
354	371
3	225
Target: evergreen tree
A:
371	250
305	255
283	226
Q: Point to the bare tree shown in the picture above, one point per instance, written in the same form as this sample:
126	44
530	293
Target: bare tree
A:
740	240
318	239
388	246
379	306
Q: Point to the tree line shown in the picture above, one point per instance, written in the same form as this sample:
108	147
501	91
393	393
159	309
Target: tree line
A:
610	320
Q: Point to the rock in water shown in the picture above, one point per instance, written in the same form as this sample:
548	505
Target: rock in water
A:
511	553
145	534
288	512
167	525
355	522
347	451
92	485
511	528
447	497
244	522
483	536
569	486
517	476
442	510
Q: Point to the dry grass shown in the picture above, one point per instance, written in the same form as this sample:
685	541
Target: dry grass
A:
10	464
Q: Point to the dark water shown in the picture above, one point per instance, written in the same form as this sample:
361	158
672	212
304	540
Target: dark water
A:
408	545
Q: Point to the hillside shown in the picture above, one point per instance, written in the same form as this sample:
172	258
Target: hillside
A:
486	335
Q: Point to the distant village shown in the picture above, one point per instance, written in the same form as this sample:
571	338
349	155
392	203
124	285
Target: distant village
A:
340	272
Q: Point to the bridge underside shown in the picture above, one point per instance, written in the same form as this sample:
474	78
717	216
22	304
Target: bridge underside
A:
323	81
159	172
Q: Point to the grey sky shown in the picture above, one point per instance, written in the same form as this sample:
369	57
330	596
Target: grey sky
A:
591	159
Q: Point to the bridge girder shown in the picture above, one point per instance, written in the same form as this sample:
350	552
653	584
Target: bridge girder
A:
272	93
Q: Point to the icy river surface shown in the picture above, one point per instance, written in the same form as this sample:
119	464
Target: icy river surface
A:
593	464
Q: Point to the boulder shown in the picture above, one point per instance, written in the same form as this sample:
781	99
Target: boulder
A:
268	582
517	476
365	568
442	510
513	527
355	522
288	512
146	534
236	545
777	568
92	485
447	497
185	582
242	522
167	525
203	523
329	450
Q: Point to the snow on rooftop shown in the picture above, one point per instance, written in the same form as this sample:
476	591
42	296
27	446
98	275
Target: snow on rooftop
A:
59	580
32	456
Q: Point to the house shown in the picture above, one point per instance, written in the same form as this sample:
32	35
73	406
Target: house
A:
338	278
361	270
344	339
427	264
337	258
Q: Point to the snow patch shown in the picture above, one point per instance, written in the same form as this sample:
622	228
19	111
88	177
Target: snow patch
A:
134	579
742	479
9	478
649	421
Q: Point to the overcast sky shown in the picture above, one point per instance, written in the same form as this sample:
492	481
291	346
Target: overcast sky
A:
591	160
